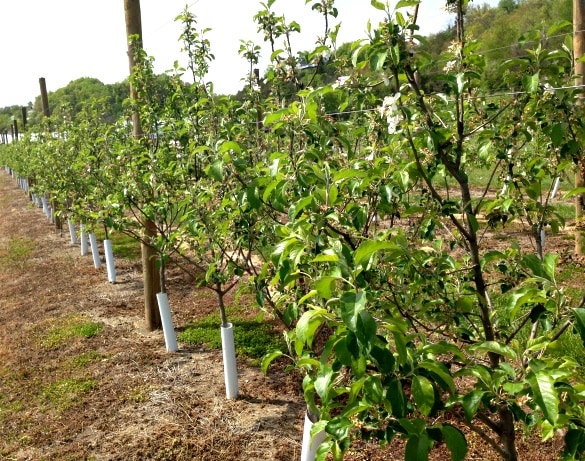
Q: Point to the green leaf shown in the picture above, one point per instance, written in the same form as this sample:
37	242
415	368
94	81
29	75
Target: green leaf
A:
532	262
366	328
339	427
215	170
549	263
253	197
397	399
269	358
417	448
544	394
580	322
573	192
470	403
533	190
325	286
455	441
230	146
308	296
574	443
300	206
384	359
352	304
521	297
440	373
325	258
395	54
308	324
323	383
275	116
557	134
406	3
423	394
367	248
531	82
495	347
377	61
373	389
400	343
378	5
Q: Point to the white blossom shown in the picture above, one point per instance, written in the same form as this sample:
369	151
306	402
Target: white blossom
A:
340	82
389	110
393	122
450	66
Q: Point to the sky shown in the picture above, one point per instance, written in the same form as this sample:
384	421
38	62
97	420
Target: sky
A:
62	40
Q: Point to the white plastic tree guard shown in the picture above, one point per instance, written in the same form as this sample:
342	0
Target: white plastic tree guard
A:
555	187
110	261
310	444
167	322
72	234
95	251
83	238
45	206
230	369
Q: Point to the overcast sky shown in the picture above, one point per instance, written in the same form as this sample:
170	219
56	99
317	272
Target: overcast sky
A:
63	40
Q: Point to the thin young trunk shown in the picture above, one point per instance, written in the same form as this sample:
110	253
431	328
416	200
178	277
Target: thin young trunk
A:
162	275
578	52
221	303
508	435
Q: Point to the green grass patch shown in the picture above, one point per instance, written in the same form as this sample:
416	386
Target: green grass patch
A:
64	330
16	252
85	359
565	210
571	345
8	406
253	338
62	394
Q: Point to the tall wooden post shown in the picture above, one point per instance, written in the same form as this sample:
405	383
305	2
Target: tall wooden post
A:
578	52
15	124
24	118
44	97
47	113
149	272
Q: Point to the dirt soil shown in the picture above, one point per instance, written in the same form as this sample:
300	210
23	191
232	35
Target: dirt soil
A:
118	395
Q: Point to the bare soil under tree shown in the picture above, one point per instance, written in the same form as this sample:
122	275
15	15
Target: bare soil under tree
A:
118	395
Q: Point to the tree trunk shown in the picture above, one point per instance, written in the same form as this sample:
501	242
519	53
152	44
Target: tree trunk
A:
508	436
151	280
149	272
578	51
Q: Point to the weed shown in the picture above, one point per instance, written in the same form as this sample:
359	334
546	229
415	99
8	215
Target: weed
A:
139	394
64	393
